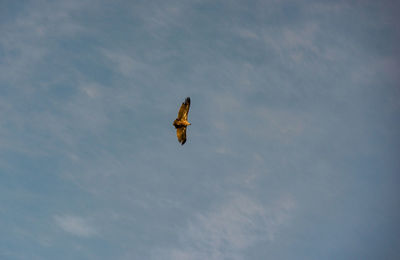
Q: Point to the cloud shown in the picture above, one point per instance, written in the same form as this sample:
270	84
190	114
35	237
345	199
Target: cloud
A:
75	225
226	231
124	64
33	34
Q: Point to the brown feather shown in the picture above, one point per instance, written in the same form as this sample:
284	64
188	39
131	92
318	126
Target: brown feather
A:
184	110
181	134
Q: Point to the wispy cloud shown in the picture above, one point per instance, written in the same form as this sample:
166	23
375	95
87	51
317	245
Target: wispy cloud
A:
225	231
31	36
123	63
75	225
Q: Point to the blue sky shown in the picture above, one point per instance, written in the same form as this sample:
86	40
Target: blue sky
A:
292	152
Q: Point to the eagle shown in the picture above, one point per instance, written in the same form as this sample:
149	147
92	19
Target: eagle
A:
181	122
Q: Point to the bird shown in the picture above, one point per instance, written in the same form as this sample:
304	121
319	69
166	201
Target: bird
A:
181	122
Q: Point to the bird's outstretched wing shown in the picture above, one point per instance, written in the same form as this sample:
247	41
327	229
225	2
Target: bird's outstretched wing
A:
181	134
184	110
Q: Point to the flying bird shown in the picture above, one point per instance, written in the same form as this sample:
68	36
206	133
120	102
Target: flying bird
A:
181	122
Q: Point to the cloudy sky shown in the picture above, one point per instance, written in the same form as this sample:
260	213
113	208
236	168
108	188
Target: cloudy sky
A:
292	152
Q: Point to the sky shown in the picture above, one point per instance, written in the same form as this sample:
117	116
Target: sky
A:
292	152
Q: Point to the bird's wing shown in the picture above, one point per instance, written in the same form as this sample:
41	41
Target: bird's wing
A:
184	110
181	134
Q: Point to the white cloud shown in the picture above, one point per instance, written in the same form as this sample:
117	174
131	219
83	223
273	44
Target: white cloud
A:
247	34
28	38
75	225
91	90
275	124
224	232
124	64
292	41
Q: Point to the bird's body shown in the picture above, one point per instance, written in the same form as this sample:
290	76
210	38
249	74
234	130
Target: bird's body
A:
181	122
